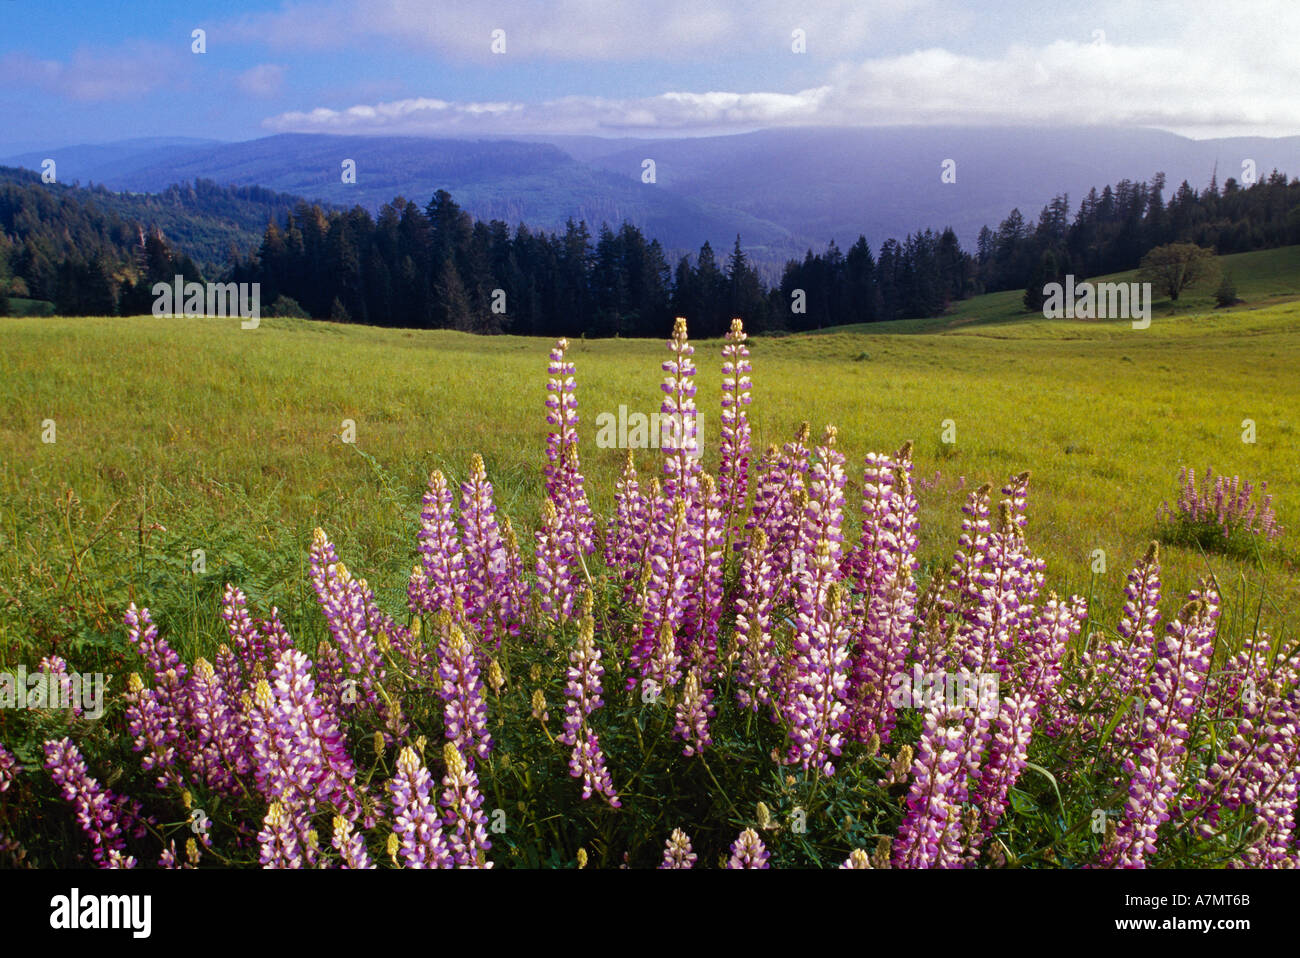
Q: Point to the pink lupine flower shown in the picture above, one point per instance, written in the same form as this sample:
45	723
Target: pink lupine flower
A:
1182	662
465	711
416	822
748	851
677	851
582	697
98	810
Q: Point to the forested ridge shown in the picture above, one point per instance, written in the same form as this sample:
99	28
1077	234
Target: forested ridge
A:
93	252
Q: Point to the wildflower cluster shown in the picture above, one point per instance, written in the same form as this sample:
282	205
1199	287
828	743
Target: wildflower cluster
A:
733	625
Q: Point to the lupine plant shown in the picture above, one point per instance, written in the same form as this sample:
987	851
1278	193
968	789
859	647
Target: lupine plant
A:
1218	513
718	644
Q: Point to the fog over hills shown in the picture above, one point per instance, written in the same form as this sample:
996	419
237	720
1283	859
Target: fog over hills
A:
782	190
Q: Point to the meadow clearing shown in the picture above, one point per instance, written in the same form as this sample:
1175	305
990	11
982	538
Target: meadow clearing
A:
173	435
153	461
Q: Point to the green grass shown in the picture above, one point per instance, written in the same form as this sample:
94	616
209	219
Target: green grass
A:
182	434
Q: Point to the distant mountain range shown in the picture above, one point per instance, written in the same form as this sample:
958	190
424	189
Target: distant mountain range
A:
783	190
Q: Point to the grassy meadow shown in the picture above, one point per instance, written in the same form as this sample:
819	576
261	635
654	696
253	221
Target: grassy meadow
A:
175	435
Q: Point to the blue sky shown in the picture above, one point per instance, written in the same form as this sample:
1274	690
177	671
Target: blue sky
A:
101	71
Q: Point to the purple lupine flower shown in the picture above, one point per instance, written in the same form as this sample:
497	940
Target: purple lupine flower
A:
1257	767
748	851
1182	662
663	597
625	546
693	714
735	446
931	833
487	603
564	480
154	715
702	605
677	851
245	638
815	700
972	544
515	586
463	818
350	845
278	639
882	567
465	709
1003	585
1038	658
324	769
279	839
440	578
556	576
8	768
582	697
55	670
416	822
776	507
823	517
222	745
678	420
756	672
343	602
1008	753
98	810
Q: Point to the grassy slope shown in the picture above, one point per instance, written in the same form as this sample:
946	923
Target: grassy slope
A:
209	436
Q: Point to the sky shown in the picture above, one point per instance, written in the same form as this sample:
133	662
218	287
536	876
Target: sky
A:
104	70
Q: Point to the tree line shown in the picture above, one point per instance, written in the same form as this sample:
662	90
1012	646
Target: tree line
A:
436	267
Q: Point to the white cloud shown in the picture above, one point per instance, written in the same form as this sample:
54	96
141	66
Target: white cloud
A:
1210	82
264	80
584	30
93	77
